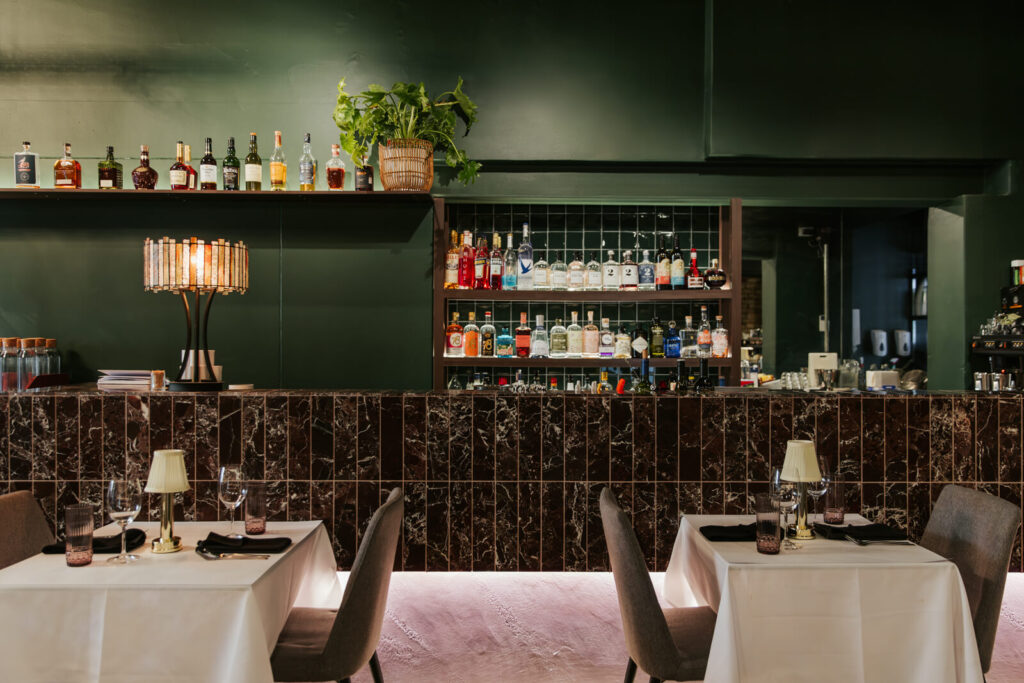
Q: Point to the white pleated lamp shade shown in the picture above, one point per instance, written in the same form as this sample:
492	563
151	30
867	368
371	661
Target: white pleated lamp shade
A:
167	472
801	463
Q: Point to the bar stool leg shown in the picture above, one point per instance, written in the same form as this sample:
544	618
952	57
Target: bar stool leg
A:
630	671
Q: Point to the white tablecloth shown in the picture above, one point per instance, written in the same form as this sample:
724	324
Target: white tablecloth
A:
830	611
165	619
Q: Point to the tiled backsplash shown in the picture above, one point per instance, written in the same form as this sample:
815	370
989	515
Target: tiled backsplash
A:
507	482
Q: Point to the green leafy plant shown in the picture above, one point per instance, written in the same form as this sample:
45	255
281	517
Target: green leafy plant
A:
406	111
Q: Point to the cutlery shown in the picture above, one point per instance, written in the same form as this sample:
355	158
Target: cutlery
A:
861	541
230	556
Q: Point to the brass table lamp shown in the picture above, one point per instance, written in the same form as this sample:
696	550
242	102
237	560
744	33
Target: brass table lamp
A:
167	476
801	467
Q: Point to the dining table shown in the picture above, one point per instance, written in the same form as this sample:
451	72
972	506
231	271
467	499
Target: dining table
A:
166	618
827	610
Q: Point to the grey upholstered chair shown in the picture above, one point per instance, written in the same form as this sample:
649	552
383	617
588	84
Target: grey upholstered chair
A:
976	530
326	644
670	645
23	528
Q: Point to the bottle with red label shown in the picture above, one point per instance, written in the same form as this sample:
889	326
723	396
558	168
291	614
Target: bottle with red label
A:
466	261
453	347
694	279
704	334
497	262
482	265
523	334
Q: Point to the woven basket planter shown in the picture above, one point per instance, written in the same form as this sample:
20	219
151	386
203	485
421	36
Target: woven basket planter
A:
406	164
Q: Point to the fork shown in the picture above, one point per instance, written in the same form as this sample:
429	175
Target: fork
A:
230	556
861	541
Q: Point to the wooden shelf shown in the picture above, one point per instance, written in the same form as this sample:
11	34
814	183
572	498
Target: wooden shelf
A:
559	295
494	362
236	195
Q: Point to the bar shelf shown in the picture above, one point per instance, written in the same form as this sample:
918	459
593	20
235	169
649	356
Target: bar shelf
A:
495	362
582	296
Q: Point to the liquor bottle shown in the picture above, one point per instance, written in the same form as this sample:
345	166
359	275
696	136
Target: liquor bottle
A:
645	272
487	336
523	337
605	387
481	265
253	166
144	176
673	343
471	337
694	279
704	334
451	263
622	340
639	343
714	277
110	172
278	165
9	364
628	273
642	380
504	345
52	358
559	339
26	167
559	274
307	166
606	348
193	176
540	346
508	275
575	337
453	338
591	338
231	168
576	278
178	174
67	173
335	170
678	267
208	168
663	268
657	339
541	274
466	264
688	343
28	364
610	279
524	274
497	262
364	176
719	340
595	275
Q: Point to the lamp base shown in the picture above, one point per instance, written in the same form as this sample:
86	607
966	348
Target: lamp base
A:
204	385
163	546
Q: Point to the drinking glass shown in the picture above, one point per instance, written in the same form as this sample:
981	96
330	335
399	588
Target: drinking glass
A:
785	492
816	489
256	508
231	492
124	501
835	500
78	526
766	510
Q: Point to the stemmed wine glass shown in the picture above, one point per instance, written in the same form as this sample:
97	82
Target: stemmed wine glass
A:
817	489
124	501
231	492
785	493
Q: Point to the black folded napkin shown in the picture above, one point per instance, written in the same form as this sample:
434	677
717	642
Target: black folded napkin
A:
216	544
732	532
862	532
134	538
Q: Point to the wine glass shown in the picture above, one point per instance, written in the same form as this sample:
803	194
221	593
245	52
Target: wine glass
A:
785	493
124	501
816	489
231	492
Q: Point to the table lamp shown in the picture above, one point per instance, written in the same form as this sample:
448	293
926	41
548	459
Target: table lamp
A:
801	467
215	267
167	476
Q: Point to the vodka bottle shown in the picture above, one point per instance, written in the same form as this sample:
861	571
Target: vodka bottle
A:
524	274
575	341
539	343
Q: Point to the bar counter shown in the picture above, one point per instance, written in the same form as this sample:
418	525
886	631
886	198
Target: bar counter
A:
507	481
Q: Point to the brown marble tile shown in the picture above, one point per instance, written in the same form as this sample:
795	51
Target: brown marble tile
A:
138	453
254	419
321	502
483	526
690	438
826	429
277	500
300	413
712	439
565	427
853	497
804	414
735	428
391	441
276	434
529	521
645	521
896	505
183	429
666	523
552	511
68	459
414	527
5	463
896	439
414	449
758	438
986	443
849	437
460	440
712	500
46	493
66	493
368	438
735	498
207	507
919	506
780	429
438	522
346	427
620	440
386	487
460	532
483	438
230	436
948	430
507	462
575	515
919	439
161	420
114	463
506	526
321	438
959	441
667	438
873	438
344	536
598	438
44	442
207	438
597	548
438	411
532	461
1009	464
644	439
367	502
690	495
872	502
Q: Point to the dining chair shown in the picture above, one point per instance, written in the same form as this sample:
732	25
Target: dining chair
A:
24	529
976	531
325	644
669	645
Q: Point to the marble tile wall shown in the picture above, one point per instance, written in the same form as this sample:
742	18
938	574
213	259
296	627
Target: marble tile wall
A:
504	482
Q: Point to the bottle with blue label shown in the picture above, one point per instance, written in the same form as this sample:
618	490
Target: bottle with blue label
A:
524	274
673	342
647	272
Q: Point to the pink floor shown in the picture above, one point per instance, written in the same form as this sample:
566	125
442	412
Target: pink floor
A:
551	627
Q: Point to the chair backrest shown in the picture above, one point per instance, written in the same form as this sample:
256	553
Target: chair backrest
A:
23	528
648	639
976	531
356	630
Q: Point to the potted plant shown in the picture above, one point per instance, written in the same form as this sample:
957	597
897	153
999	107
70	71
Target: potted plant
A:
409	126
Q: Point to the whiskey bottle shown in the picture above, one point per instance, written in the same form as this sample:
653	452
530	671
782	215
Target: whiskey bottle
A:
466	261
576	278
575	337
714	277
453	338
497	266
110	173
606	348
508	274
482	265
663	268
26	167
523	337
524	274
540	346
678	267
278	165
231	168
559	339
364	176
193	177
694	279
179	174
610	280
704	334
504	345
335	170
487	336
253	166
307	166
646	274
67	173
594	275
208	168
471	337
559	274
591	338
629	278
541	274
144	177
719	340
657	339
451	263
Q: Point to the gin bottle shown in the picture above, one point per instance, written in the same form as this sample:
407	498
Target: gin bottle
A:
610	280
508	275
524	280
577	273
628	275
704	334
673	343
594	275
559	339
575	333
689	339
719	340
622	341
541	274
559	274
646	272
540	346
504	345
591	338
606	348
657	339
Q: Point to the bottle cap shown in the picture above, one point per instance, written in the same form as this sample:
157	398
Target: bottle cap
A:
11	342
51	343
110	149
306	138
28	343
26	143
144	149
